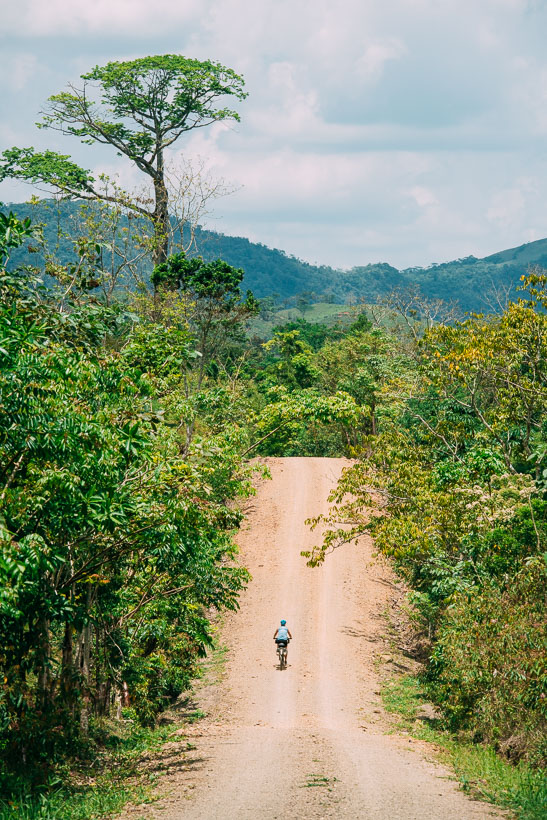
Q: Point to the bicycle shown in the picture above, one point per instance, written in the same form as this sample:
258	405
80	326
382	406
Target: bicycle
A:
282	653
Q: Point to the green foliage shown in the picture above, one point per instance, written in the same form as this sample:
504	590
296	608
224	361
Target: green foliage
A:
207	299
358	365
45	167
201	280
457	470
365	364
293	419
312	333
294	366
163	96
13	232
114	544
159	350
489	667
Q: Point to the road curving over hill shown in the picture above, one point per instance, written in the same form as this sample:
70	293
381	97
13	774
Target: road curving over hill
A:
309	741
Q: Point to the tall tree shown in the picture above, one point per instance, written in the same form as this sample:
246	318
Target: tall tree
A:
140	108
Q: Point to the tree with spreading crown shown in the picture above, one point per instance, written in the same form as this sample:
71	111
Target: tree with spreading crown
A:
140	108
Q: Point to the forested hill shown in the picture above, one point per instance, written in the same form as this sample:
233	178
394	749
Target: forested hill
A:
474	283
267	271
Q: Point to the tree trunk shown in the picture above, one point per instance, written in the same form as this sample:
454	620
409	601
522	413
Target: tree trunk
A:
44	676
161	216
102	698
85	654
67	669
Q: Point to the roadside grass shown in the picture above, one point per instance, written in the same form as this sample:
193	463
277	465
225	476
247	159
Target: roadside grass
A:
212	667
102	800
481	772
193	717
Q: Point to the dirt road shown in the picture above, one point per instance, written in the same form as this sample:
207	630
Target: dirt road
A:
309	741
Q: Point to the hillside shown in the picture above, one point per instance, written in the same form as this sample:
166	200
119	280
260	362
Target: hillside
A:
474	283
267	271
531	253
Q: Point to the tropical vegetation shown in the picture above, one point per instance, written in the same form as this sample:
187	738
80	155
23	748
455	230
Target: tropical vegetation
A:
457	470
135	392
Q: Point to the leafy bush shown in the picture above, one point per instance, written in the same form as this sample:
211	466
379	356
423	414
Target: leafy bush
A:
489	668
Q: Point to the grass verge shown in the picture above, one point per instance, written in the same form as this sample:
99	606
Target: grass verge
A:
479	769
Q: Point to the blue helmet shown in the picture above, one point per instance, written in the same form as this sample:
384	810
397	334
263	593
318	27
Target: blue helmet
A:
283	622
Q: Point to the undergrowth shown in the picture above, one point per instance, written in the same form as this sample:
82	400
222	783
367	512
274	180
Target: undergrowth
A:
481	772
108	774
98	788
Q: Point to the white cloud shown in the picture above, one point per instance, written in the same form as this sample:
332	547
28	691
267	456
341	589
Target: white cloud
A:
370	65
508	206
423	197
84	17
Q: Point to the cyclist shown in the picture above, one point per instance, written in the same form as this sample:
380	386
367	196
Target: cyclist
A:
282	633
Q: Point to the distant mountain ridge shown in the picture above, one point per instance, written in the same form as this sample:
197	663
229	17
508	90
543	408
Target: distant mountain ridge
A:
470	281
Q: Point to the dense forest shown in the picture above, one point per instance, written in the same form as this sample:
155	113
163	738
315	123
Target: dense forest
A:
134	400
480	285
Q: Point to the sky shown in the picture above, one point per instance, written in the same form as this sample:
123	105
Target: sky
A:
400	131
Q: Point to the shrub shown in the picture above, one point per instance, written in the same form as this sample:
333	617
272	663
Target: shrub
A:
489	668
